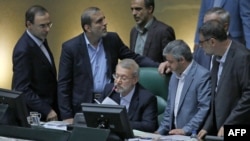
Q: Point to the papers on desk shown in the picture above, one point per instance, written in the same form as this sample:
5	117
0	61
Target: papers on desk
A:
11	139
110	101
60	125
175	138
145	136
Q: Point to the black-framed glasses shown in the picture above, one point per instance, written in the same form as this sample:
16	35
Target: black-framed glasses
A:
201	42
122	77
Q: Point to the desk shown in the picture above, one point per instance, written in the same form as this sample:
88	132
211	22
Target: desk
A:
11	139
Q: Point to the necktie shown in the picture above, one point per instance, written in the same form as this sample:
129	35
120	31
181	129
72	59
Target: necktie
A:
214	74
44	48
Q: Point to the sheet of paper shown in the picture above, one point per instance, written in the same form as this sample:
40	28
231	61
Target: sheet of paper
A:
60	125
110	101
175	138
145	135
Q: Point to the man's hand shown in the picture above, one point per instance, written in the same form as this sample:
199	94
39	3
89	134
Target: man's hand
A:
221	132
202	134
52	116
176	132
69	120
163	68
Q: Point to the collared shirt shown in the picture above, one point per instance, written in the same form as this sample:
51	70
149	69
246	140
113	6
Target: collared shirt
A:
125	100
221	62
98	63
141	38
41	45
179	90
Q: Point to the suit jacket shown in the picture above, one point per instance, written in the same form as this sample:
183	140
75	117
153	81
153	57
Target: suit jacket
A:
239	10
75	81
35	76
159	35
142	111
194	102
202	58
231	102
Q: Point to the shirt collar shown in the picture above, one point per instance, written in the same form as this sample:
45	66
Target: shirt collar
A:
128	97
35	39
223	58
89	44
146	27
185	72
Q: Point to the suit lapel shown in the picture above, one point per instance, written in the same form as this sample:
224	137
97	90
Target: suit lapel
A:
149	39
188	81
106	46
133	103
82	48
226	68
52	64
39	53
134	35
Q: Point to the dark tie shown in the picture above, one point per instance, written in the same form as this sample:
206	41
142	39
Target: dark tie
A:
214	74
46	51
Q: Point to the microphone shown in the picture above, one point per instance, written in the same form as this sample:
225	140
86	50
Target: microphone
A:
110	93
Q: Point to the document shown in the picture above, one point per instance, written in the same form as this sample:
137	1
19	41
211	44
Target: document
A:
175	138
60	125
145	136
110	101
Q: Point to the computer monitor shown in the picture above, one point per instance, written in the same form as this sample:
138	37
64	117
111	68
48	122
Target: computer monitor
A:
13	110
113	117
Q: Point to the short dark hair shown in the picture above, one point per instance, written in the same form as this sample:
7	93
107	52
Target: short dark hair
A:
149	3
213	29
86	16
32	11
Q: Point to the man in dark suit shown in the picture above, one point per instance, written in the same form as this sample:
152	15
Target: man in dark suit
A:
215	13
88	61
141	105
34	71
239	11
149	36
230	77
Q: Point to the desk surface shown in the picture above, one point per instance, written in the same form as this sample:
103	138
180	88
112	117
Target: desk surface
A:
11	139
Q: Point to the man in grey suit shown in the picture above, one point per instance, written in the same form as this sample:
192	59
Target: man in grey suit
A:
149	36
189	92
230	79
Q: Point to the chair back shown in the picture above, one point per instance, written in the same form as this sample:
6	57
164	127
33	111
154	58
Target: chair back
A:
157	84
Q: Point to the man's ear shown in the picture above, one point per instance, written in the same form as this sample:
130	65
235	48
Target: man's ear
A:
86	27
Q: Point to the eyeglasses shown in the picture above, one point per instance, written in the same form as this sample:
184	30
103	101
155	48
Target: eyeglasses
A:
122	77
201	42
49	25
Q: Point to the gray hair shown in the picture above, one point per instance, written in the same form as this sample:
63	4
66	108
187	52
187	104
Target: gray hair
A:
130	64
179	49
223	15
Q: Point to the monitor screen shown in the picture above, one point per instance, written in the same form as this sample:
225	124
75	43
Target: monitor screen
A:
113	117
13	110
